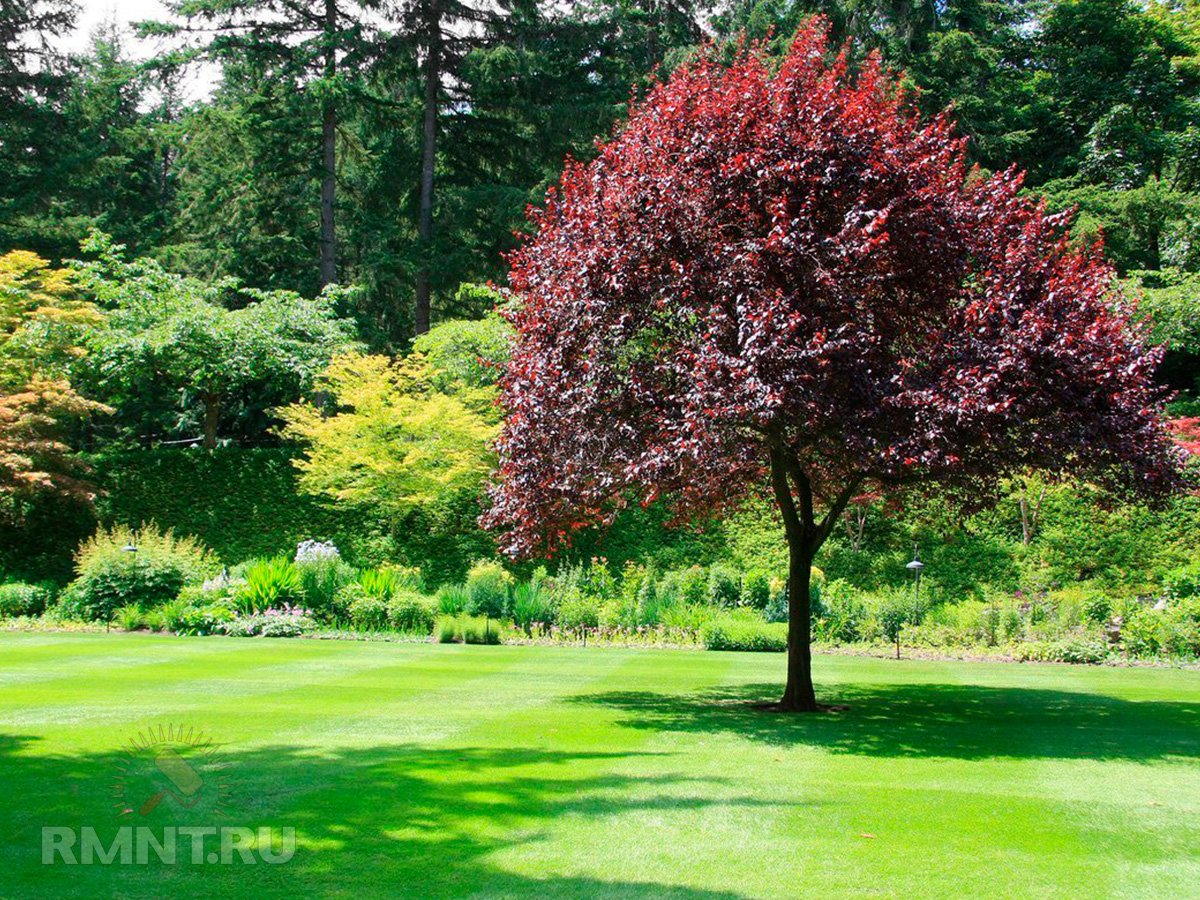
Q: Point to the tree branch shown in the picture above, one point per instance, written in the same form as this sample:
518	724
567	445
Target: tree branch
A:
803	488
837	507
783	497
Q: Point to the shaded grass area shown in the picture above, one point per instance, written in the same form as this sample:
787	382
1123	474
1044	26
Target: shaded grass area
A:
933	720
441	771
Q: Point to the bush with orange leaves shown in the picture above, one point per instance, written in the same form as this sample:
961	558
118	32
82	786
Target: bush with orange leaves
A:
42	321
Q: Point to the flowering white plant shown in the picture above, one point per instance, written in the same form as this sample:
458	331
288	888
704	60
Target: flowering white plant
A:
316	551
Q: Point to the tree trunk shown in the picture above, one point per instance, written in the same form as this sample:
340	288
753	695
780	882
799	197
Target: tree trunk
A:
212	416
799	694
805	535
856	522
1029	517
328	268
433	83
1026	533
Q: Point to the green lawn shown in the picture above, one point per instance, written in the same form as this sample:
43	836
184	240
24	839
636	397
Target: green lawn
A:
433	770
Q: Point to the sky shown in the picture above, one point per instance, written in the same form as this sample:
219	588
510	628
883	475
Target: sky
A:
95	13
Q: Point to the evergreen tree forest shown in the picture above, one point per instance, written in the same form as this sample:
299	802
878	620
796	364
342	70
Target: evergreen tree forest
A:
394	147
178	267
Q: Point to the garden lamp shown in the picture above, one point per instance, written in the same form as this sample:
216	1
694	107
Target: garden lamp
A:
916	567
129	548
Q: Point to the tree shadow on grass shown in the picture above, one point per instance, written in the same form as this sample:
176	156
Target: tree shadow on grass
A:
398	820
932	720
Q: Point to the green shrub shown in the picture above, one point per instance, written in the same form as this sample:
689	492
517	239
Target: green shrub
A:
1010	623
446	629
488	586
171	615
270	583
578	595
320	580
221	589
345	598
726	633
1183	624
468	351
1183	582
756	590
20	599
1097	609
1140	633
1078	604
1068	651
623	609
689	616
1174	631
369	613
893	615
650	604
724	587
845	615
684	586
991	621
129	618
410	613
576	610
111	576
203	618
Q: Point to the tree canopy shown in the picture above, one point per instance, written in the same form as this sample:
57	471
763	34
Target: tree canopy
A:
164	333
42	321
787	275
394	439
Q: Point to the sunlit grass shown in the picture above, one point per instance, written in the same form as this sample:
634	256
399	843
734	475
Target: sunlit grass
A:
449	770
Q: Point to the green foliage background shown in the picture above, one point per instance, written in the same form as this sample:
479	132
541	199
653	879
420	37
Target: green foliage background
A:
246	503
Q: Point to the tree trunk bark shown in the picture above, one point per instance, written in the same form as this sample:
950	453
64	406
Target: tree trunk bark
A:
328	265
433	83
1029	516
805	535
212	417
799	694
328	272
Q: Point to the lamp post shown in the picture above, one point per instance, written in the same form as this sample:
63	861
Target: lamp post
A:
916	567
128	548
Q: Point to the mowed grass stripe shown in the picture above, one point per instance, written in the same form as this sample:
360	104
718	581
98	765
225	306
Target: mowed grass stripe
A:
526	771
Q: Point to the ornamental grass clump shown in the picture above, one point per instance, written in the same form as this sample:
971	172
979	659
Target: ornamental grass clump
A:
270	583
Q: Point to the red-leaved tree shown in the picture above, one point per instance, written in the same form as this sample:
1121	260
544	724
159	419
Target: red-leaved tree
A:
785	277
